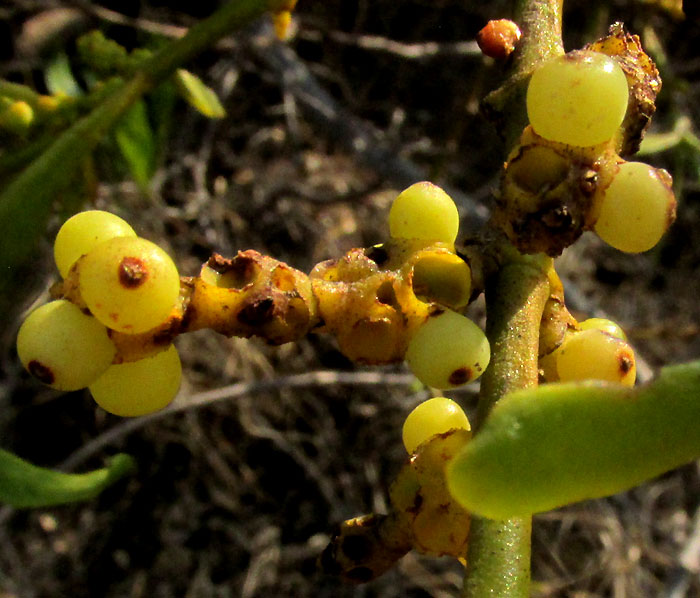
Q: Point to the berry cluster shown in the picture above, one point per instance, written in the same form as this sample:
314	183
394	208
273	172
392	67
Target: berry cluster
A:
423	516
126	285
593	349
567	175
403	298
122	302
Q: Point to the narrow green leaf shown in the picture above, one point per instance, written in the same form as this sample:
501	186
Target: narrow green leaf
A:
198	95
161	106
136	142
682	133
59	77
561	443
25	485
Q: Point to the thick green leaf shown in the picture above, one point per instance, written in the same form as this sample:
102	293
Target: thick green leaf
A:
561	443
198	95
136	141
25	485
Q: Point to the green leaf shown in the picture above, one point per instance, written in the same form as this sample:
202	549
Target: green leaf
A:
557	444
682	133
198	95
59	77
137	144
161	104
25	485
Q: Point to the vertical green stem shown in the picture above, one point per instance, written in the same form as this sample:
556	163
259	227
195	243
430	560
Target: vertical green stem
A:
499	551
540	23
498	563
515	299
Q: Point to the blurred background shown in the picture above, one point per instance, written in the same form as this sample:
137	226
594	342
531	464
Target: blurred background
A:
236	498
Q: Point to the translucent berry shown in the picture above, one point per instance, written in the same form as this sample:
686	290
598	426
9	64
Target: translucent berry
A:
448	350
579	99
637	208
63	347
424	211
434	416
608	326
139	387
595	355
129	284
82	232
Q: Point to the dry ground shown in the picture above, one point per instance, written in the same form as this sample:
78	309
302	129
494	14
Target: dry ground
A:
235	499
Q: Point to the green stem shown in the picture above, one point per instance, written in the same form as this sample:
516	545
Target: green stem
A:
499	551
25	204
515	300
540	23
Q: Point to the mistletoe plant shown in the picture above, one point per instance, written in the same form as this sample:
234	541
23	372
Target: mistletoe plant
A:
559	418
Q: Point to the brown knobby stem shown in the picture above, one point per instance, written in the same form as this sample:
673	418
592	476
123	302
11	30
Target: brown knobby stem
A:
499	551
372	300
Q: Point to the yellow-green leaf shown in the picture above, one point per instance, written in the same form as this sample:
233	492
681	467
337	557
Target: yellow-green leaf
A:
198	95
59	77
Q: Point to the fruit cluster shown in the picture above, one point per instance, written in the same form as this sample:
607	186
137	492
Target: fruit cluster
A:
423	514
402	298
126	285
567	174
593	349
122	302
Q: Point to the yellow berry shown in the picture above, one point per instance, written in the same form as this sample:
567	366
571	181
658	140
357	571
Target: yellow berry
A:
82	232
434	416
424	211
579	99
139	387
637	208
595	355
